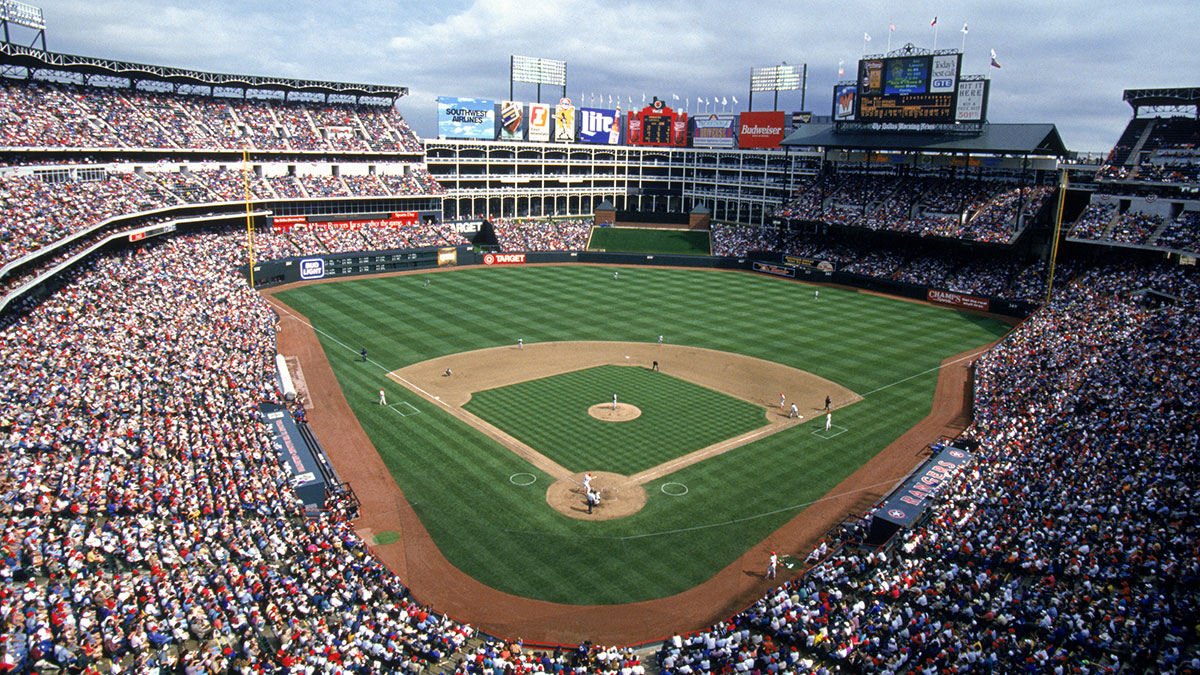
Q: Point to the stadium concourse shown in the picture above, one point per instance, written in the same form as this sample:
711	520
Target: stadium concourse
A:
148	522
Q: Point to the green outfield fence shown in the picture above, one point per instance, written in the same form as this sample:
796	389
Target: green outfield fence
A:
343	265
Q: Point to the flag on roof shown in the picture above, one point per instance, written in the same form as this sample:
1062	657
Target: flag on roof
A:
995	63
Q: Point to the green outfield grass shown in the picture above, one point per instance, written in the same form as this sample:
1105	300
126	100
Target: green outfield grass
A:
634	240
677	417
505	535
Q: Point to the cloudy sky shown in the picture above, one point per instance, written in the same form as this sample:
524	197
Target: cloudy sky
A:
1064	62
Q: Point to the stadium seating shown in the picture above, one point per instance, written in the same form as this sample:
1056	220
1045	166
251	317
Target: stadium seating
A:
148	521
925	205
38	114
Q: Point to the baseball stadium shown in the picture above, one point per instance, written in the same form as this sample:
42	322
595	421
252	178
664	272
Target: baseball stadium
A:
889	387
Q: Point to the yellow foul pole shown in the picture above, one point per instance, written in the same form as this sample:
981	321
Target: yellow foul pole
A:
1062	198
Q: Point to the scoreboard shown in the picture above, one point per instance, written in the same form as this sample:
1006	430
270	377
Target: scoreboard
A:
656	130
903	89
657	124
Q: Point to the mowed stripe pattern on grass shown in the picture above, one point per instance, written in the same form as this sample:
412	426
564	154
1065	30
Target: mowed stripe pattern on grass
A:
507	536
550	415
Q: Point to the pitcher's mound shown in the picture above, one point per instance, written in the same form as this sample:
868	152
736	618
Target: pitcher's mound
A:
622	413
619	496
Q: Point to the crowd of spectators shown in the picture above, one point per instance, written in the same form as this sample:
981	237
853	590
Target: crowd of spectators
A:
995	277
50	114
35	211
530	234
1181	233
1067	546
493	657
1132	227
1094	221
147	519
925	205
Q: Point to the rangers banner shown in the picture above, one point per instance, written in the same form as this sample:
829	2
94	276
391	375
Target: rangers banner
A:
564	122
714	130
906	504
512	121
466	118
957	299
761	129
539	122
599	125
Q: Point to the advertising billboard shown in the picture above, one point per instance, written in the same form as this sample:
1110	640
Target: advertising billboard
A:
714	130
761	129
466	118
914	89
539	122
972	101
512	121
564	122
843	102
599	125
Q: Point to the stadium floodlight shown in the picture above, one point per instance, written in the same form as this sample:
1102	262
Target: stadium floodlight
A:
783	77
537	71
22	14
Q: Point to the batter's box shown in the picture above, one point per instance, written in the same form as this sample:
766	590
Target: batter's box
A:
834	430
405	409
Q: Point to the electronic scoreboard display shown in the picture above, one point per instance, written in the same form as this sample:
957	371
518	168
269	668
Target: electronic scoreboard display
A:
908	89
656	129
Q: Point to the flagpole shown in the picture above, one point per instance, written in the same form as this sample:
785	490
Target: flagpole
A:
935	34
963	49
890	30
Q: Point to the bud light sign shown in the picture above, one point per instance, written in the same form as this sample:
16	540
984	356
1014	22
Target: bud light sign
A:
599	125
312	268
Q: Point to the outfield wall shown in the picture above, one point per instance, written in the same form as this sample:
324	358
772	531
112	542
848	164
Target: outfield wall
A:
341	265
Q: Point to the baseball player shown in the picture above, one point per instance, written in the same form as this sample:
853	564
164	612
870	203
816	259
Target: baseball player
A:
363	353
827	402
587	482
426	283
520	343
782	400
828	421
816	294
614	401
382	396
660	339
772	564
447	373
794	412
614	275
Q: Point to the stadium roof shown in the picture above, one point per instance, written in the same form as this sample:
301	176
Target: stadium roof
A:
1016	139
36	59
1173	96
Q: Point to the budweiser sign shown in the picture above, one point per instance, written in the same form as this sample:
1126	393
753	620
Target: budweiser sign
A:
957	300
761	129
503	258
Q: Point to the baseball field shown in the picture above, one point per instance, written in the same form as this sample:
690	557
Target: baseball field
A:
702	465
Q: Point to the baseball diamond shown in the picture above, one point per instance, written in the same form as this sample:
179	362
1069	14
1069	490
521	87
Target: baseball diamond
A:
740	488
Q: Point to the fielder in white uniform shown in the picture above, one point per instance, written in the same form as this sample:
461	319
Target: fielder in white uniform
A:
828	421
382	397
